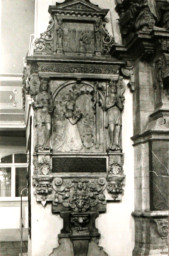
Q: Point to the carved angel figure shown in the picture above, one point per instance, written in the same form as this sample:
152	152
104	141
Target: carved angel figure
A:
113	106
44	107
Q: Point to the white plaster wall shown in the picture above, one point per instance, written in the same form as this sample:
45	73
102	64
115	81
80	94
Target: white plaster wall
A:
45	229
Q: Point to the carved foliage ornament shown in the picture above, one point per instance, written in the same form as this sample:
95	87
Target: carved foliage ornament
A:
79	195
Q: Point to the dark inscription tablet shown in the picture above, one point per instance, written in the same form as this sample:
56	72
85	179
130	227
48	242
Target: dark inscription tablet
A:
79	164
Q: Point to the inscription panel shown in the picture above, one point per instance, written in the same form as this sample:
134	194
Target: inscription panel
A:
79	164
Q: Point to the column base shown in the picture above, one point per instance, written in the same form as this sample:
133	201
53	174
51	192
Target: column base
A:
151	233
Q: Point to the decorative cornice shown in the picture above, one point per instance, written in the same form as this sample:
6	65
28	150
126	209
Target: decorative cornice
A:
77	7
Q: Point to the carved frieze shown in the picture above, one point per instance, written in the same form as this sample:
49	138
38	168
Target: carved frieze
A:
79	68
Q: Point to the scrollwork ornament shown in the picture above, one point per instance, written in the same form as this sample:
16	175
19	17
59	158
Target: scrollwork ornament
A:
79	195
57	182
44	44
108	40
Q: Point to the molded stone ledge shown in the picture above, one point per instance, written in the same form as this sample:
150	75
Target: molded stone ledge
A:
150	214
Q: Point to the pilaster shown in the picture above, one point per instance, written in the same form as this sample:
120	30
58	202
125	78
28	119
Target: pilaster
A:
144	28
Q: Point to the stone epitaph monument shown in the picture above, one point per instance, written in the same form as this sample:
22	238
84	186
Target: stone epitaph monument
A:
76	92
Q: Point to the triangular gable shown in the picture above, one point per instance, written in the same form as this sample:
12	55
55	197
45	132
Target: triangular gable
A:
84	5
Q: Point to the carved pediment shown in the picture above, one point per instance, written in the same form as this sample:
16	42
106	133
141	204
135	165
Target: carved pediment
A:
68	33
80	5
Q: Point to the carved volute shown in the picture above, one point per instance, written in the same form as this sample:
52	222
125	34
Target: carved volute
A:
78	99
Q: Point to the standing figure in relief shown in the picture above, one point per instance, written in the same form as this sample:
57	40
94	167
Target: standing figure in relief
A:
113	107
44	107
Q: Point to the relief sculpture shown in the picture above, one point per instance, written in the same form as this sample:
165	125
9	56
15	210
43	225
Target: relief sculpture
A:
72	114
75	119
44	106
113	106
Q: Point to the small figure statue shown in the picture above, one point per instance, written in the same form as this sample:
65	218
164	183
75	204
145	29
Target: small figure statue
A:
44	107
59	33
98	36
113	107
